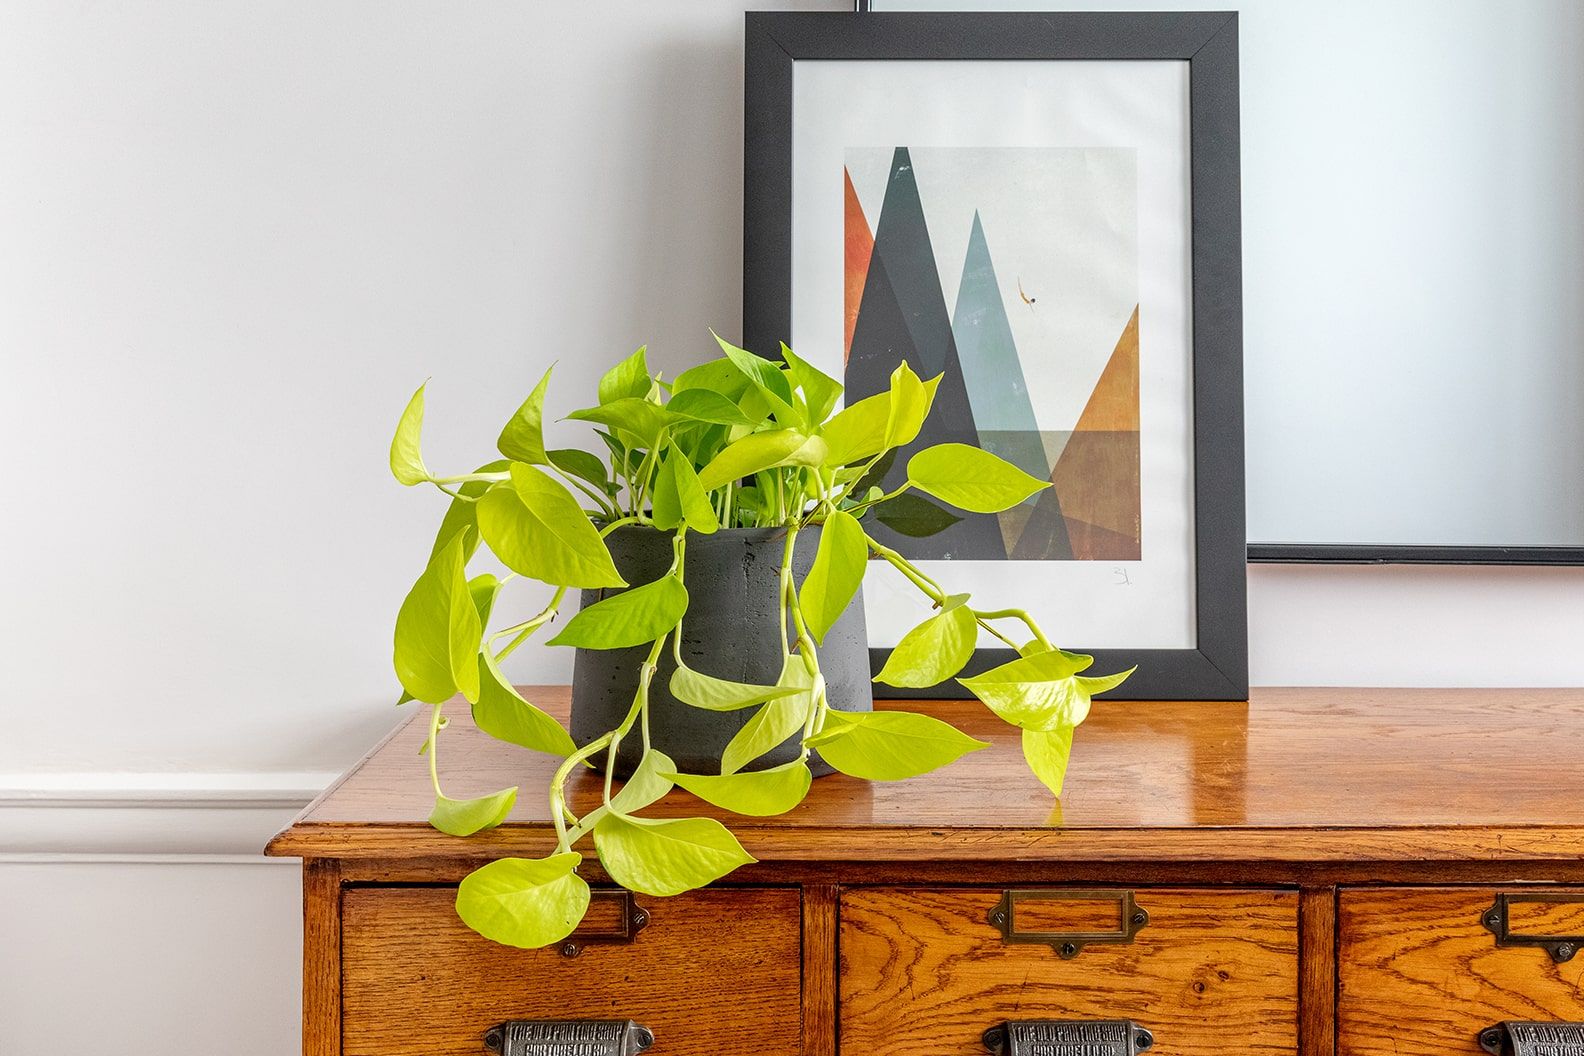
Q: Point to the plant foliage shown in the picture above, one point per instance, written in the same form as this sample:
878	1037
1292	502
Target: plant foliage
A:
737	442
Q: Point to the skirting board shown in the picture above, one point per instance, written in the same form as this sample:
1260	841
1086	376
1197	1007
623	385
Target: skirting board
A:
228	816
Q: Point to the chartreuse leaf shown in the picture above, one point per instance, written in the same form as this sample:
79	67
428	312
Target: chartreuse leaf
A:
629	618
698	513
910	404
522	438
462	514
820	389
648	784
706	405
506	716
524	902
627	379
717	694
858	431
438	630
716	375
538	530
637	421
1042	691
665	506
1046	752
464	817
971	479
889	745
837	572
583	465
779	719
754	452
758	793
666	857
483	588
764	376
406	455
936	649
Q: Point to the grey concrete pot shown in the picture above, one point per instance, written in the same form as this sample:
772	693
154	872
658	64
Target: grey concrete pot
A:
730	631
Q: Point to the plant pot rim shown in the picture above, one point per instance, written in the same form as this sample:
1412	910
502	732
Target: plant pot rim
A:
775	531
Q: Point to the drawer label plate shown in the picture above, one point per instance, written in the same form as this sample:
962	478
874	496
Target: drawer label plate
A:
1068	1037
569	1037
1524	1038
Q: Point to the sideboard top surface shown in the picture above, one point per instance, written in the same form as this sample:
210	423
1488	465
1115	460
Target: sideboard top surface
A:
1293	775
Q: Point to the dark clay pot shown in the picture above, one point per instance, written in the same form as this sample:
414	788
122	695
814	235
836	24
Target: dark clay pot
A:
730	631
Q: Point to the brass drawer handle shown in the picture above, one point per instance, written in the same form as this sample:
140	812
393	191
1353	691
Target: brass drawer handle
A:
551	1037
1130	918
1092	1037
1498	920
1525	1038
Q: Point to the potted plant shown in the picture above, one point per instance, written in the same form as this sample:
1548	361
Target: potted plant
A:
733	485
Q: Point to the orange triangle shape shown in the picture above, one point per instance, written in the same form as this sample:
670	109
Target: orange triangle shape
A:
860	244
1114	404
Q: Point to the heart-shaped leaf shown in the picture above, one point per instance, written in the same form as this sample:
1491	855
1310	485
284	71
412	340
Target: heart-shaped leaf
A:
857	432
707	405
406	455
765	377
754	452
583	465
890	745
1042	691
666	857
538	530
820	389
649	783
632	617
438	630
772	724
971	479
464	817
524	902
636	420
522	439
718	694
936	649
1046	752
628	379
838	570
757	793
463	514
506	716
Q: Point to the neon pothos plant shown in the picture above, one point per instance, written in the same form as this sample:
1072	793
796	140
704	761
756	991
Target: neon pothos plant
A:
736	442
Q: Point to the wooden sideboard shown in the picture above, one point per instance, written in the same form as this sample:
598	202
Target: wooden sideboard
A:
1318	871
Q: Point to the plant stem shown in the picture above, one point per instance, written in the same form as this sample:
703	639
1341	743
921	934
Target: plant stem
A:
467	477
526	629
434	736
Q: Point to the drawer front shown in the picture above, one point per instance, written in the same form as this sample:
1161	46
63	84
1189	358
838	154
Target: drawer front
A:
712	972
1421	972
926	972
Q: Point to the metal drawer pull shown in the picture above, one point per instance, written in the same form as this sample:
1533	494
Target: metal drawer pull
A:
554	1037
1130	918
612	917
1068	1037
1522	1038
1498	920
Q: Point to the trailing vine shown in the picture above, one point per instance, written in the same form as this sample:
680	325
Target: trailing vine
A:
737	442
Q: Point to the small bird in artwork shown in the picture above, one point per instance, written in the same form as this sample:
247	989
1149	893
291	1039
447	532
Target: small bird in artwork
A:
1026	298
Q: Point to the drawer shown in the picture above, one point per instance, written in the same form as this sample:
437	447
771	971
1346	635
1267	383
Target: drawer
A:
711	972
926	972
1421	973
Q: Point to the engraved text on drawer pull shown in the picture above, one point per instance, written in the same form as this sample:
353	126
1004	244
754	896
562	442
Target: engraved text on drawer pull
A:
1068	1037
1525	1038
552	1037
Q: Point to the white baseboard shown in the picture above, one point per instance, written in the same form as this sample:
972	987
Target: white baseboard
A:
190	817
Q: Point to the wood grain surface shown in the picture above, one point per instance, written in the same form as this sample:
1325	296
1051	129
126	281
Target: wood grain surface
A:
1295	775
923	973
1421	976
714	972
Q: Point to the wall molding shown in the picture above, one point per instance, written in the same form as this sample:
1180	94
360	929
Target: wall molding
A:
216	818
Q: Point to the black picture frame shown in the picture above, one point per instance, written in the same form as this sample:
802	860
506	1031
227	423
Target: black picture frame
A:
1412	554
1217	668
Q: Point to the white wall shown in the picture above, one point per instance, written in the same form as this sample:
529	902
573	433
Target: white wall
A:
233	238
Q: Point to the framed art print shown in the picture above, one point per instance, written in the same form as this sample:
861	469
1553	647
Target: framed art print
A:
1043	211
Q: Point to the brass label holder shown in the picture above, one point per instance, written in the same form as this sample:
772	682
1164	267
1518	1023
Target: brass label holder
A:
1526	1038
1067	1037
556	1037
1497	920
1003	917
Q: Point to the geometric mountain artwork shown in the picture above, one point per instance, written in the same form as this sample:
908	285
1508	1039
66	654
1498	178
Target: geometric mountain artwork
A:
1038	348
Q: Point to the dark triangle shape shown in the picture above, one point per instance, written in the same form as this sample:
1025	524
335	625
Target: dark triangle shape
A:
881	340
